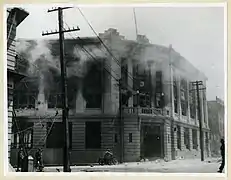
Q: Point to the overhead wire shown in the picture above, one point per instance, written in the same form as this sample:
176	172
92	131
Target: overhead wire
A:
108	50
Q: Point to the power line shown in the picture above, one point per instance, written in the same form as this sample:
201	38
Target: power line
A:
115	59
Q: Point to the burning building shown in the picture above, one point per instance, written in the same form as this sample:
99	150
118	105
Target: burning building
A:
159	117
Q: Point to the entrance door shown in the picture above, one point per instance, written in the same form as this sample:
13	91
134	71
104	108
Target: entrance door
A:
152	142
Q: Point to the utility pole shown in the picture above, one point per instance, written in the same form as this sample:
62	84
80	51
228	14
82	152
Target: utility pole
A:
172	107
66	157
197	84
121	123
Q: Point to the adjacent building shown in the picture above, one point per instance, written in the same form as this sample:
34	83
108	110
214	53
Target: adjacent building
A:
158	118
15	16
216	118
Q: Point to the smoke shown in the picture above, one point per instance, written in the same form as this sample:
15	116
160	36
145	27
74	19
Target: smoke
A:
79	67
42	64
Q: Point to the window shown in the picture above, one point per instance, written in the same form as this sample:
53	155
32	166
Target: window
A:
55	100
115	138
24	100
183	95
124	72
175	95
55	135
93	135
130	137
25	137
178	137
194	139
93	86
186	138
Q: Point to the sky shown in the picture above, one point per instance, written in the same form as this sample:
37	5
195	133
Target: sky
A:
197	33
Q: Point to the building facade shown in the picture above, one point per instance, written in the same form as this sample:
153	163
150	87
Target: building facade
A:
15	16
216	111
154	116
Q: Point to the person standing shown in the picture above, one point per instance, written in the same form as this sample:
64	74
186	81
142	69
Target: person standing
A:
222	149
20	159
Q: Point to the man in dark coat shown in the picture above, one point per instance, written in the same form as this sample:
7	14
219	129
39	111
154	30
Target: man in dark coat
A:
222	149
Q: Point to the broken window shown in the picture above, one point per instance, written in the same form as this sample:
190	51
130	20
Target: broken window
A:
184	100
93	86
159	90
24	99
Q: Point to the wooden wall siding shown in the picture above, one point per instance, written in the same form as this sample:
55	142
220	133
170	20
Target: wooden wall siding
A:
131	149
78	135
107	141
10	112
39	133
11	44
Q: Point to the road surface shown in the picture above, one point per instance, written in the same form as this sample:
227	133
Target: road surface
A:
176	166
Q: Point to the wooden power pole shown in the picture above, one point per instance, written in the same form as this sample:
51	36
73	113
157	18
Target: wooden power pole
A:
61	31
197	84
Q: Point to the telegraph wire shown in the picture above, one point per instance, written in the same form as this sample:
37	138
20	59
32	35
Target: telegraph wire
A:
115	59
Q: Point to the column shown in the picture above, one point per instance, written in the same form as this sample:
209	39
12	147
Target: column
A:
182	138
179	98
190	139
172	93
130	80
167	141
188	105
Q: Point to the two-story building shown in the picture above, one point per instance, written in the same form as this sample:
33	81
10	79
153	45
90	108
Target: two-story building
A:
15	16
158	116
216	111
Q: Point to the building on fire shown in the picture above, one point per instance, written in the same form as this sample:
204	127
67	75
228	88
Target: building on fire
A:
159	108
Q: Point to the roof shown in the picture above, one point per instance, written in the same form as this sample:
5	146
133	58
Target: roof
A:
21	14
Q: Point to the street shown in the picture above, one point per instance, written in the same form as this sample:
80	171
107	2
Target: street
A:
177	166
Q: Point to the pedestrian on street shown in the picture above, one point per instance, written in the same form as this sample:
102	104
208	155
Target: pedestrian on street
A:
38	159
222	149
20	159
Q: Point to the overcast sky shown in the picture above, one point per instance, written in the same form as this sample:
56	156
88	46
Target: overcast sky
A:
196	33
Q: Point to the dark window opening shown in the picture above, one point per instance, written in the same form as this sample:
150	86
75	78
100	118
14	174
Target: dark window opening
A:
93	135
115	138
93	86
186	138
184	100
25	137
130	137
178	138
55	135
194	139
175	96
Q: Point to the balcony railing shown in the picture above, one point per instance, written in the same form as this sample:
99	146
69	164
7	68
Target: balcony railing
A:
145	111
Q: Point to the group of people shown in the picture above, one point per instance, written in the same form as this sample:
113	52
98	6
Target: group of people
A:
23	160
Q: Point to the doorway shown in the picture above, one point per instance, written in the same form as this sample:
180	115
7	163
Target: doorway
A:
152	141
